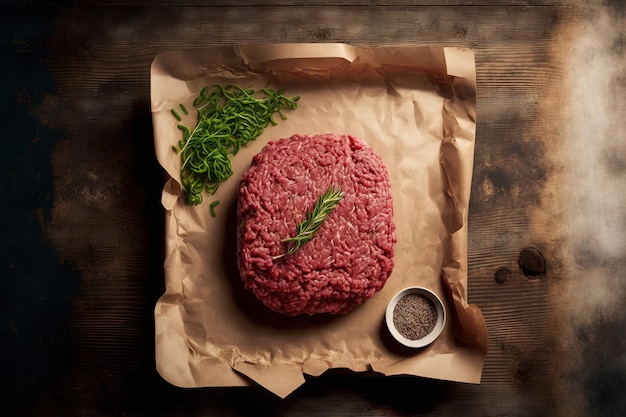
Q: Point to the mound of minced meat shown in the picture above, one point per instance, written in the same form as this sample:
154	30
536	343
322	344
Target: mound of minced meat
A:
350	257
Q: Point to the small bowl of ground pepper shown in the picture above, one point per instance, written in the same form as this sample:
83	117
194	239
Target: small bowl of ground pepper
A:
415	317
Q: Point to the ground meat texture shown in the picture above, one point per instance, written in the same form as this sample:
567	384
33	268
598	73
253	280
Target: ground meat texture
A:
350	257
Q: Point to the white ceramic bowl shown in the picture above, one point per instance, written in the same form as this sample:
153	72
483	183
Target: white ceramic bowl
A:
429	338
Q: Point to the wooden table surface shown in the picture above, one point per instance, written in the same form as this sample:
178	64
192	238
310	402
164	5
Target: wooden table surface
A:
82	246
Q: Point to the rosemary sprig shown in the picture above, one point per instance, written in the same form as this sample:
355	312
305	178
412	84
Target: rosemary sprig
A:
324	205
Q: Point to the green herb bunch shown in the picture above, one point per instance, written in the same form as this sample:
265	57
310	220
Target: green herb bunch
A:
324	205
229	117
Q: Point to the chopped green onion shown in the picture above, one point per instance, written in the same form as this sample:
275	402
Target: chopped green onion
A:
212	207
176	115
229	118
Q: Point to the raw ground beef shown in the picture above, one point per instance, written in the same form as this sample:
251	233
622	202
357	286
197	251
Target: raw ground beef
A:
350	257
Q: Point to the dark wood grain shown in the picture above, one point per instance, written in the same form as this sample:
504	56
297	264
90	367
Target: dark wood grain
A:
83	255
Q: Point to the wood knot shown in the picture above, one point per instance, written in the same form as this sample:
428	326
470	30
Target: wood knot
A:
532	263
321	34
502	274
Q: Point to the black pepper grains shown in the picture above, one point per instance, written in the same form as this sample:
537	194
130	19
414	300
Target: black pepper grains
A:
414	316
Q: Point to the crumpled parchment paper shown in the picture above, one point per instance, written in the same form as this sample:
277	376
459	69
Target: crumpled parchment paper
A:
416	107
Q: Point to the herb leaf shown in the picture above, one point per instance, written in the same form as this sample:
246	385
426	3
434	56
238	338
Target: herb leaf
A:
324	205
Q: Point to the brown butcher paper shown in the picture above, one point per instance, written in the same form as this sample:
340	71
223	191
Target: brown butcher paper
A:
416	107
